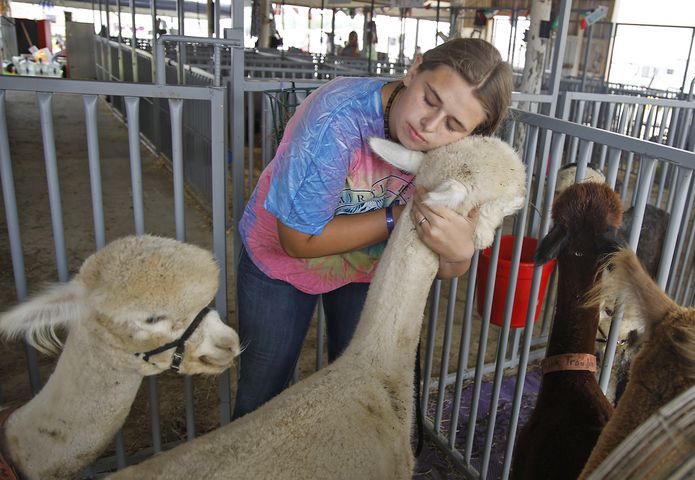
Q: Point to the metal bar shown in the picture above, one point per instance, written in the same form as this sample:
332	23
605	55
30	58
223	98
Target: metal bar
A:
107	43
641	197
176	112
431	333
446	350
688	249
609	120
188	402
218	32
216	62
559	52
155	27
134	46
464	350
160	60
250	137
49	152
671	234
672	131
132	108
219	225
120	450
13	232
482	345
236	136
578	118
90	110
119	44
204	40
86	87
153	397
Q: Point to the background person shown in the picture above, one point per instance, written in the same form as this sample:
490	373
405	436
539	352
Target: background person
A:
351	48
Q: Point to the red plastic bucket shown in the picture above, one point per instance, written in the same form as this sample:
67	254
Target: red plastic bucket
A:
523	283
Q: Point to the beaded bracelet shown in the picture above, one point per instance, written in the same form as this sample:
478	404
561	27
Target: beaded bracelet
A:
389	219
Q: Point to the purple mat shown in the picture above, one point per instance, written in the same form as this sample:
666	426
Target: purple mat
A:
433	464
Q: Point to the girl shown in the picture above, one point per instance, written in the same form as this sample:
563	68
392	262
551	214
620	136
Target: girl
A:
351	47
324	207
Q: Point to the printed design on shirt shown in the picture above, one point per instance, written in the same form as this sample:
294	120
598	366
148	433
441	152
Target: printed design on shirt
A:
388	189
346	264
385	191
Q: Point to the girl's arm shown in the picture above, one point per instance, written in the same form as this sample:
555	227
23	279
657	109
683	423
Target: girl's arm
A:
446	232
342	234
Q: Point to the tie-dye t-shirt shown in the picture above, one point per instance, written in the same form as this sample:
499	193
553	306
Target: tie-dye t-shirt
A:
324	167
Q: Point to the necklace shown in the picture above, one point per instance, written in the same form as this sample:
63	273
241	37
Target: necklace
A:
387	110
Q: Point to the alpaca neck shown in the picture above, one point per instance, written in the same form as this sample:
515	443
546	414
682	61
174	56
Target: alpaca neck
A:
74	416
389	328
574	325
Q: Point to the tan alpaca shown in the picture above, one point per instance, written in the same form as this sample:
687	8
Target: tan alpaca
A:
136	294
665	364
352	419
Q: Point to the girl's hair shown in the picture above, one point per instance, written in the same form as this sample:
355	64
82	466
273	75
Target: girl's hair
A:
481	65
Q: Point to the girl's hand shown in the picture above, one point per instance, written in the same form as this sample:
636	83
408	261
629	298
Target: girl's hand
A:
445	232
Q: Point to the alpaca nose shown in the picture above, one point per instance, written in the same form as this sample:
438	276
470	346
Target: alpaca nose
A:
230	343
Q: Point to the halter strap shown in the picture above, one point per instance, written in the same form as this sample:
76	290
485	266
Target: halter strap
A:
569	361
177	356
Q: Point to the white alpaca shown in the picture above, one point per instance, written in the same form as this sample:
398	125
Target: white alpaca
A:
136	294
352	419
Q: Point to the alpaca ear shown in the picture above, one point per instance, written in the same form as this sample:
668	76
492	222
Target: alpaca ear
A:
551	244
450	193
37	319
627	280
491	217
396	154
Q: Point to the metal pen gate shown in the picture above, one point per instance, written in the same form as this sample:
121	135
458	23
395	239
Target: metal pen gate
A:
140	103
483	446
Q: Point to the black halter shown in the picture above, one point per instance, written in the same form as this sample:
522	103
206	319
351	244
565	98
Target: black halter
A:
177	356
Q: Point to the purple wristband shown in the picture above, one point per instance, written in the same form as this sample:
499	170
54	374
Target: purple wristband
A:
389	219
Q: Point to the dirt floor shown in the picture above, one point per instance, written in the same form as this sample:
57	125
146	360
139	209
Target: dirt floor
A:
39	255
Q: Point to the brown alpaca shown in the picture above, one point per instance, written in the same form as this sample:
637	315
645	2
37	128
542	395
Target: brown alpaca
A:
665	364
571	409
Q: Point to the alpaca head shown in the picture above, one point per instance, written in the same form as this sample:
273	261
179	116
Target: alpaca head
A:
474	171
135	295
587	217
668	344
567	173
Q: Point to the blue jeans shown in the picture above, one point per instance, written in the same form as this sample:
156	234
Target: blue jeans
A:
274	318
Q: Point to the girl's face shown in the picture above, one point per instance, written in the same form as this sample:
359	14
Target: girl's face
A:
436	108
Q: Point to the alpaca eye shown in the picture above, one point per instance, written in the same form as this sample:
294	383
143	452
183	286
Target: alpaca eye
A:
578	254
155	318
